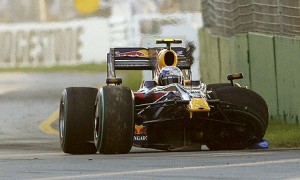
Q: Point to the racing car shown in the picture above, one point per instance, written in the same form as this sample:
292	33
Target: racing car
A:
169	112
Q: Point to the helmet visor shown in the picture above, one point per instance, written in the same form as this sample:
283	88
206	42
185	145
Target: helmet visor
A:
170	80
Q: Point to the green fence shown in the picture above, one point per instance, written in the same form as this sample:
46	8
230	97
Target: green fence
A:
288	77
270	65
262	68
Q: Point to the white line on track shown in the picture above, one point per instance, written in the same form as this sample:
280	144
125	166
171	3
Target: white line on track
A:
110	174
218	154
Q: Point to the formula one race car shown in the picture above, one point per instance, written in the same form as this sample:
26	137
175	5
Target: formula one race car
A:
170	112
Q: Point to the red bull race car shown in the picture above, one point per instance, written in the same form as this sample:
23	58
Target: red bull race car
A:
170	112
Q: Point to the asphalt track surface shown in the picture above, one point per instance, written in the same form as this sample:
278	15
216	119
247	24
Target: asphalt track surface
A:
29	145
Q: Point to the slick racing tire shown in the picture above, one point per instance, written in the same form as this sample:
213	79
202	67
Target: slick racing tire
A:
114	120
248	107
76	120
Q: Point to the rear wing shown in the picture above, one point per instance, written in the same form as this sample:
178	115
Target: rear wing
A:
138	58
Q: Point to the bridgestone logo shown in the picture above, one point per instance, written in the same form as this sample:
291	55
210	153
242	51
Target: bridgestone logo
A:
40	46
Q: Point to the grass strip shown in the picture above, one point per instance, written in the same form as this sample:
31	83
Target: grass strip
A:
282	134
131	78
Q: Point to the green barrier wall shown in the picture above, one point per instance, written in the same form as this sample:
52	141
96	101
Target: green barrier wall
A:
222	56
270	65
262	69
225	56
288	74
240	58
203	54
213	62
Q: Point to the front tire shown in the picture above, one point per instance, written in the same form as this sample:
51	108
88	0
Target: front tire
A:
76	120
247	98
245	107
114	120
233	136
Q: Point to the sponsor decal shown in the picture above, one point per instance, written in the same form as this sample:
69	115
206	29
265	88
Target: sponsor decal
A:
140	138
139	129
179	53
139	133
141	53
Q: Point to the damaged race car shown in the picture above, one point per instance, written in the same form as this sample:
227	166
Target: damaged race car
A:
170	112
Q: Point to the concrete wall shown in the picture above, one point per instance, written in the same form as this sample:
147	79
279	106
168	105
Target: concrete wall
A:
270	65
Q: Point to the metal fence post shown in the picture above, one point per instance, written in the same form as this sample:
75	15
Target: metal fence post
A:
281	30
253	14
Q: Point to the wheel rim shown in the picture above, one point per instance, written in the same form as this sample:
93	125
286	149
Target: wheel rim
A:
62	129
97	129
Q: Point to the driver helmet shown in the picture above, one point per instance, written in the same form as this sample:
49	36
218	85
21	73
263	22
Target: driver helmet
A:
169	75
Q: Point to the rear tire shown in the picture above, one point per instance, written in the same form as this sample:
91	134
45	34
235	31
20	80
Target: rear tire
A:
76	120
114	120
248	108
